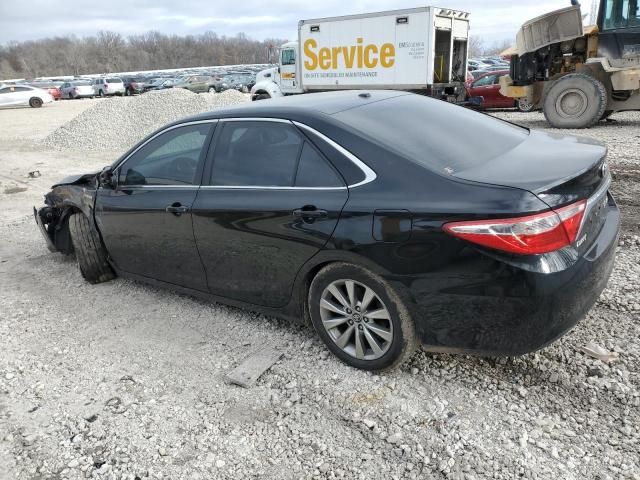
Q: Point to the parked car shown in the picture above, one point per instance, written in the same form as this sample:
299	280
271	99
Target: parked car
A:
476	65
487	87
16	95
77	89
133	85
196	83
236	81
105	86
313	207
160	84
51	87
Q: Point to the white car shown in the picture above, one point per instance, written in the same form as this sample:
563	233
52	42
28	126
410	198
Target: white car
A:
104	86
77	89
15	95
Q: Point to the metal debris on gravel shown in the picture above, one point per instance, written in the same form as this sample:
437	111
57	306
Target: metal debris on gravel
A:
120	122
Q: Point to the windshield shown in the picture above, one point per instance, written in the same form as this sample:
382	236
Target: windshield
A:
114	80
621	14
438	135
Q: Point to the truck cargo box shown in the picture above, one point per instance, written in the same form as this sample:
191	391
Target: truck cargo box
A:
401	49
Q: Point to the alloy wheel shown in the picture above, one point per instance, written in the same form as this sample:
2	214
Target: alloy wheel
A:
356	319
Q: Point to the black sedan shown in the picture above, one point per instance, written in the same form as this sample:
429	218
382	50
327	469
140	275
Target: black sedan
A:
387	219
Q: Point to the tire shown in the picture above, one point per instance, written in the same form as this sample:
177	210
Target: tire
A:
394	333
90	253
262	96
212	90
35	102
524	106
575	101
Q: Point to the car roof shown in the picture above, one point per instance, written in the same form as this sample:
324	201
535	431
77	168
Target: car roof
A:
318	104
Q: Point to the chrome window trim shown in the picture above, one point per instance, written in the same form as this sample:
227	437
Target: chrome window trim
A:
369	174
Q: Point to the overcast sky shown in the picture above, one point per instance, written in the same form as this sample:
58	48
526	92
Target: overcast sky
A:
493	20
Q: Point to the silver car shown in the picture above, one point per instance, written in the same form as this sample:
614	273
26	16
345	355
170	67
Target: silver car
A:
104	86
77	89
16	95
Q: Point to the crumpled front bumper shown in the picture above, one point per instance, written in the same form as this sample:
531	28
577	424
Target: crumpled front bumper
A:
43	230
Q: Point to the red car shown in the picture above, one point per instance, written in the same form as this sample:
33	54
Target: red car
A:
487	86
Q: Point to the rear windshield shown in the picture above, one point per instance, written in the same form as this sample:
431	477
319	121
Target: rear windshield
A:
433	133
114	80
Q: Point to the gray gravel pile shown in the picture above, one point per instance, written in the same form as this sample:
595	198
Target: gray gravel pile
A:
117	123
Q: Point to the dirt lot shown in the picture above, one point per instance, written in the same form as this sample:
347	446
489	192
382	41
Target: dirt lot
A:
125	381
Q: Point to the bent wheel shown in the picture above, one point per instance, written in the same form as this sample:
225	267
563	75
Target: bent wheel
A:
90	253
360	318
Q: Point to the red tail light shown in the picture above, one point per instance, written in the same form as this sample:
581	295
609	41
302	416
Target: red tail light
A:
530	235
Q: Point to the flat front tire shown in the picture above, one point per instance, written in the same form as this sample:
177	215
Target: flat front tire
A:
360	318
90	253
575	101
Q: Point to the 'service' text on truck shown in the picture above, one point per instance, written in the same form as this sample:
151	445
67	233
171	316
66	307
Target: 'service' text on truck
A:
420	49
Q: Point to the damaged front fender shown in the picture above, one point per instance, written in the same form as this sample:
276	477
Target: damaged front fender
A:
73	194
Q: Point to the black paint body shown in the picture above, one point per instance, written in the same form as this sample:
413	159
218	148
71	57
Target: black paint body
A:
244	247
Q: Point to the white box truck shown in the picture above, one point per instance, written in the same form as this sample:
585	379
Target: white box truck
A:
419	49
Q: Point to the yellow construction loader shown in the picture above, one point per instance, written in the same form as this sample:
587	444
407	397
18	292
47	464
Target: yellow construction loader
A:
578	75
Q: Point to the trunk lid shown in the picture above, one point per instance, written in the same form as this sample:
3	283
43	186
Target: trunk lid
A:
551	166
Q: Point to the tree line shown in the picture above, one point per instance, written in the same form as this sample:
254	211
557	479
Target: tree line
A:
112	52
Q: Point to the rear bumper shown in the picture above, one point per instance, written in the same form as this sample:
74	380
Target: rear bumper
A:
517	311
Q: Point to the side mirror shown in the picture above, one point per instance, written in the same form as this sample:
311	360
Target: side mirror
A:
106	178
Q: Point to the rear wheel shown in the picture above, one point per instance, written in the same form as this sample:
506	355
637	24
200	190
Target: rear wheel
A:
360	318
575	101
35	102
90	253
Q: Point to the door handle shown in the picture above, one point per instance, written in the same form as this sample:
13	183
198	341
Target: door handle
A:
177	209
309	212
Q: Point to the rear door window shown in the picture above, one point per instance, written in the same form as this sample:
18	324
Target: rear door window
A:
256	153
314	171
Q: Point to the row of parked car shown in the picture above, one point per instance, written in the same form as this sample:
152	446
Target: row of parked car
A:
33	93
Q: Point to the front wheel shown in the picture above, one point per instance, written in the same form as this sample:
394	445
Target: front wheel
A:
360	318
262	96
575	101
90	253
212	89
35	102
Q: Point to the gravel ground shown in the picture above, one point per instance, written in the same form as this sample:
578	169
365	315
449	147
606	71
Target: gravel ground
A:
125	381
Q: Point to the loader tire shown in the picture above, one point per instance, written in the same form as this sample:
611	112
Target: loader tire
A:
575	101
90	253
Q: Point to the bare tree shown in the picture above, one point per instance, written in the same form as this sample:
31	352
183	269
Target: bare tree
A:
476	46
109	52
